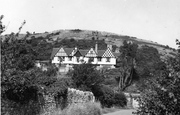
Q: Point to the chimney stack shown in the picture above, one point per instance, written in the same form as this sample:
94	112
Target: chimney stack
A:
109	46
117	50
96	47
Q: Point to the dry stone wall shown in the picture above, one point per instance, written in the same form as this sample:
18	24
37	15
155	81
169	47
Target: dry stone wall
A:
77	96
73	96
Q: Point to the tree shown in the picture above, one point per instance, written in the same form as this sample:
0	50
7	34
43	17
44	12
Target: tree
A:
85	76
161	95
126	64
148	64
2	27
17	59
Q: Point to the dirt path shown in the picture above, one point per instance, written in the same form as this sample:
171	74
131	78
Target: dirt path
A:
122	112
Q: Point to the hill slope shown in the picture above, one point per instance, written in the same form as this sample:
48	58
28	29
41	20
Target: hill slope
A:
109	38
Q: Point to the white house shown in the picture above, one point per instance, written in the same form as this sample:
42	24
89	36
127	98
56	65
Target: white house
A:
70	56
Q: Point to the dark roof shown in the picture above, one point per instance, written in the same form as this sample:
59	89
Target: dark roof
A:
54	51
68	50
116	54
83	52
100	52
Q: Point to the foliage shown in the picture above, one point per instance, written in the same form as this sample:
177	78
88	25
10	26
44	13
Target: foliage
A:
2	27
148	64
85	76
126	64
105	95
148	61
21	80
12	108
120	99
162	94
178	43
43	47
108	97
18	59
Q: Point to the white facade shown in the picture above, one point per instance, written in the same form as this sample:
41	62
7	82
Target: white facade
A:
80	60
76	56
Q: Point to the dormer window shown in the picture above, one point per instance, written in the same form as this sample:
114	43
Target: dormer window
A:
61	59
99	58
108	59
91	52
70	58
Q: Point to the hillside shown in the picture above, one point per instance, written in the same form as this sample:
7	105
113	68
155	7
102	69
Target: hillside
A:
108	38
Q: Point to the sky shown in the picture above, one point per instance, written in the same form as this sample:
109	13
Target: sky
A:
154	20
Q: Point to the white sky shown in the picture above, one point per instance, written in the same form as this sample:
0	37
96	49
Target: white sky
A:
155	20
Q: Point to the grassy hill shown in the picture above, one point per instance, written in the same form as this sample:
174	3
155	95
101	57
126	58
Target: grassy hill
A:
108	38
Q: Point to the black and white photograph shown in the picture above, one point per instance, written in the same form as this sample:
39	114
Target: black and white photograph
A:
90	57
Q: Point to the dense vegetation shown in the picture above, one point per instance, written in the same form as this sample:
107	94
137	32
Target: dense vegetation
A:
161	94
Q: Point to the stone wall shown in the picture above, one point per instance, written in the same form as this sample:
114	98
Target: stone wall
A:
77	96
73	96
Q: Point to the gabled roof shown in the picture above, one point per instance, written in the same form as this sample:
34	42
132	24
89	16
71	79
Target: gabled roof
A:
77	54
68	50
54	52
83	52
116	54
108	53
91	53
100	53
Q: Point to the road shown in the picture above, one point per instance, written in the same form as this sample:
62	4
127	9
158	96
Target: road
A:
122	112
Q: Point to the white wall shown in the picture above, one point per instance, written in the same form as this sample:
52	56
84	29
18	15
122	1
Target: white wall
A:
55	60
86	59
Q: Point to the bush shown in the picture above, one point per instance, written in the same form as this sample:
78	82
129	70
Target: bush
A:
108	97
83	109
104	94
161	95
120	99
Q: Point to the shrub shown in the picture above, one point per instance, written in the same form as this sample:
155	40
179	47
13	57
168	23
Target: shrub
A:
120	99
161	95
108	97
105	95
83	109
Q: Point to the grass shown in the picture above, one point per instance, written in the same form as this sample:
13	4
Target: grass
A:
112	109
89	108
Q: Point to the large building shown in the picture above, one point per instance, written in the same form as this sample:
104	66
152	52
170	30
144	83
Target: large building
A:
67	57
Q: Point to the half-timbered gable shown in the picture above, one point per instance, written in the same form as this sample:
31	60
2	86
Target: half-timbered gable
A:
61	53
108	53
91	53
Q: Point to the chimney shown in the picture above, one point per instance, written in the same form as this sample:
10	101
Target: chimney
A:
96	47
117	50
109	46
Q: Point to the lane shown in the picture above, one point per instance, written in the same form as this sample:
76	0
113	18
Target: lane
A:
122	112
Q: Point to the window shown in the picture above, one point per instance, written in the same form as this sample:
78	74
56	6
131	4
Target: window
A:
99	58
61	59
91	52
77	59
70	58
108	59
91	59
